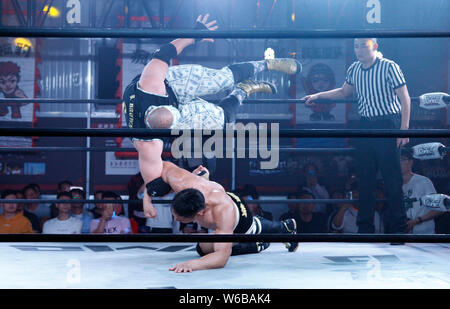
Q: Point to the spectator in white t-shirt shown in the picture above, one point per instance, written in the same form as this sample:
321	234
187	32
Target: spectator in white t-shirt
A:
420	219
64	223
111	220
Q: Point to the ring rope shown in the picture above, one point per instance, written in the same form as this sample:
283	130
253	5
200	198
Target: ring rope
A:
181	33
118	101
161	201
186	238
117	149
155	133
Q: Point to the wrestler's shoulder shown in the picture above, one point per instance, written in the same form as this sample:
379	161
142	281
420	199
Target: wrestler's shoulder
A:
216	195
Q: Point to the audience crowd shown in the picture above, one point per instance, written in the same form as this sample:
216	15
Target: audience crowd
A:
113	217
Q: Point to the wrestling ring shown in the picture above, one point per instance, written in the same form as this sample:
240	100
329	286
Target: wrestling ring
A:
142	261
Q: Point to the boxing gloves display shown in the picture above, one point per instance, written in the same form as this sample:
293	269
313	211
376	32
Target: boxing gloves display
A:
436	201
434	100
429	151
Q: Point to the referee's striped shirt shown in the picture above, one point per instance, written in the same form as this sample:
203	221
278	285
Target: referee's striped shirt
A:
375	87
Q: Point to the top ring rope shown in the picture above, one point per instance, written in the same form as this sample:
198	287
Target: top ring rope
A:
155	133
241	34
445	98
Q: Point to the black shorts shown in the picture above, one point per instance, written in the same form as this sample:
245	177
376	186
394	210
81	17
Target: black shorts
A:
135	103
245	219
245	216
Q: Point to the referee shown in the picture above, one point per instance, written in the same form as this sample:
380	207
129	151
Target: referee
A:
383	103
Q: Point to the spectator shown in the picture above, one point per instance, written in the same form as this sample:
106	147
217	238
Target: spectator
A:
292	208
420	219
344	220
11	221
36	187
32	217
97	212
109	222
307	220
335	195
311	174
136	189
42	211
78	211
163	223
63	223
249	193
63	186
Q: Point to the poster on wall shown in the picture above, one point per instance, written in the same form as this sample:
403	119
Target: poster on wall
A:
119	166
17	79
324	68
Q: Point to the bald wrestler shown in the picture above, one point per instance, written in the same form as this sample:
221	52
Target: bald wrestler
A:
170	97
206	202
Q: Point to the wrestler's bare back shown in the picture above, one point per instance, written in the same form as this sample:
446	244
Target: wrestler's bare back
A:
219	207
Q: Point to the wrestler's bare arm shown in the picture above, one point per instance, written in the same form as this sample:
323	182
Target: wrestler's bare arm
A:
154	73
223	213
179	179
224	218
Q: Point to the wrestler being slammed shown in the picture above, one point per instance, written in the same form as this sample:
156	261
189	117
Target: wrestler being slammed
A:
206	202
170	97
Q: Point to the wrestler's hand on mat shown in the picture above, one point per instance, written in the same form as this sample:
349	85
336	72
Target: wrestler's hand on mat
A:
185	267
149	209
202	23
199	171
309	99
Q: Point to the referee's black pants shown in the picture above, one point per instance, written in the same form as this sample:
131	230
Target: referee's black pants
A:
372	154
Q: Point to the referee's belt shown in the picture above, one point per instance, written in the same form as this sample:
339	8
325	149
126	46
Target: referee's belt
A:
382	117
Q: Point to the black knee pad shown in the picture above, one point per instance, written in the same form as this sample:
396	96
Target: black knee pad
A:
242	71
230	107
244	248
165	53
158	187
270	227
